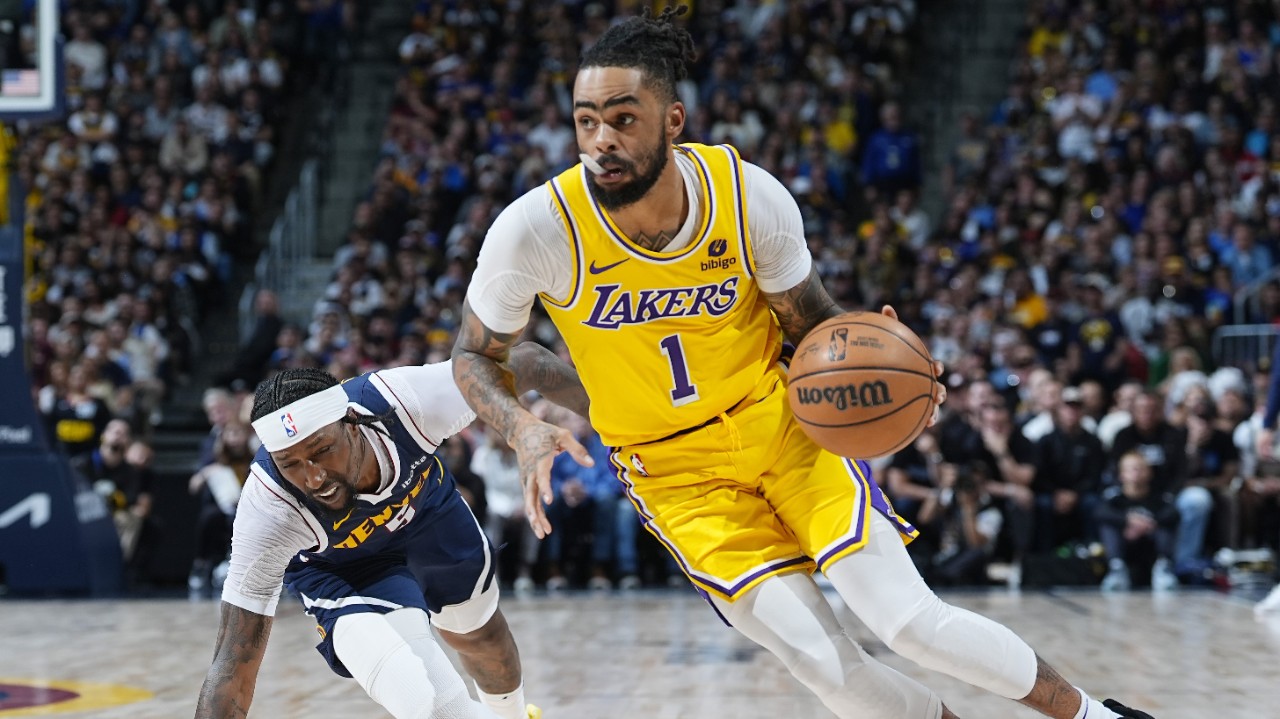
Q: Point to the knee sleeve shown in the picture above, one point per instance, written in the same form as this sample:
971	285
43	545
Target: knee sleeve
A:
967	646
883	588
396	660
789	616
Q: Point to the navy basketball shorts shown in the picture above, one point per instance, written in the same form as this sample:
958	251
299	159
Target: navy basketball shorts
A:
443	564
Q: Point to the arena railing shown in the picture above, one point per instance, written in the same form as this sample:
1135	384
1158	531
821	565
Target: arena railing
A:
290	245
1248	347
1248	296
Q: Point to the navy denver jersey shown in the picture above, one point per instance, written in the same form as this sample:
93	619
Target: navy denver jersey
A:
413	543
377	521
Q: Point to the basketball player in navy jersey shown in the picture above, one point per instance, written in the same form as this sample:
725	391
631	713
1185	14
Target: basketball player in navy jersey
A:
348	505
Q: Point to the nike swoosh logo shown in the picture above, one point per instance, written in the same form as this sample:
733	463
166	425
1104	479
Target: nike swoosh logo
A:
340	521
597	270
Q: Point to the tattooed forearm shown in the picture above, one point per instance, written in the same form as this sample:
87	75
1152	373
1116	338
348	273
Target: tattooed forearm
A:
480	368
655	242
228	687
539	369
803	307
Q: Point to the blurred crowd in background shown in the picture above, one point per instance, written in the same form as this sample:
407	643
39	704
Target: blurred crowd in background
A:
1097	227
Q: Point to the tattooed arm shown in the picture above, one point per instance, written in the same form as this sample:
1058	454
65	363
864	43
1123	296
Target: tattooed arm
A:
539	369
228	687
482	369
803	307
808	305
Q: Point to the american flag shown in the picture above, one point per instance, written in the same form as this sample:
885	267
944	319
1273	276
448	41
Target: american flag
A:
20	82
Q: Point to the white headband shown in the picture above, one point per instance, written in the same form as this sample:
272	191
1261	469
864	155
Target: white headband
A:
296	421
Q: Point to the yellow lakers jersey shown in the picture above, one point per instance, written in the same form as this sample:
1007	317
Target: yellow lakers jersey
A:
664	341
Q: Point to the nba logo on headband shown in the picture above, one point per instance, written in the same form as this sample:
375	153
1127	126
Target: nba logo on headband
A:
290	429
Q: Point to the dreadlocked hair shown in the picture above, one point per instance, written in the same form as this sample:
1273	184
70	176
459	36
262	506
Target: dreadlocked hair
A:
656	46
291	385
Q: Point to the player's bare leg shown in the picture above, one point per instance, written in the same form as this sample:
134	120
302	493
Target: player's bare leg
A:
489	655
1052	695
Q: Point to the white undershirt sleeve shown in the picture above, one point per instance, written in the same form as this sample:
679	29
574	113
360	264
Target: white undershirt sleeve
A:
777	231
430	401
269	532
525	252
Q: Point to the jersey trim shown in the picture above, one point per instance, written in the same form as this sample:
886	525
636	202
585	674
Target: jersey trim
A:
322	538
308	603
740	191
700	236
426	441
728	589
575	247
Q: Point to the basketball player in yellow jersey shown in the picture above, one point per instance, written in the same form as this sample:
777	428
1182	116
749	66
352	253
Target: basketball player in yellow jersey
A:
674	274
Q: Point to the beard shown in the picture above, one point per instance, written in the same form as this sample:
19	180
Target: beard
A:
646	173
348	496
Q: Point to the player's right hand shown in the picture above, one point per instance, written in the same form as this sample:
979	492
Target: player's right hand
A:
536	444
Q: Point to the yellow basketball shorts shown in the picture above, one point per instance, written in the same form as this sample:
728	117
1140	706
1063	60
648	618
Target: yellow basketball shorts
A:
749	495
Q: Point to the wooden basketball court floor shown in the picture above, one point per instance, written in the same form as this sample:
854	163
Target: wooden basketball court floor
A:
661	655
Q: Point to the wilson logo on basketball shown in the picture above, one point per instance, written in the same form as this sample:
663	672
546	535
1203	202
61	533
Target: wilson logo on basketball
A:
866	394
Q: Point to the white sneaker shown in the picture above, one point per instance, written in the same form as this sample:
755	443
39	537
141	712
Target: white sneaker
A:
522	585
1162	577
557	584
1117	580
629	582
599	584
1270	604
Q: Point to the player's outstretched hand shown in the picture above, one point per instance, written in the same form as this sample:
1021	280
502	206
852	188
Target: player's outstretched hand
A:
536	444
939	389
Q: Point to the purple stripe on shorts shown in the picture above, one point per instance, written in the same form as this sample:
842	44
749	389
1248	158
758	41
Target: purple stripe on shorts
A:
619	472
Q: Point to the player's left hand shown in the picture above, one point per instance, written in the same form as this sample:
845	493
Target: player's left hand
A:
939	389
536	444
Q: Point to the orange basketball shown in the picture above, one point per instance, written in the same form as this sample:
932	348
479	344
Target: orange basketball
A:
861	385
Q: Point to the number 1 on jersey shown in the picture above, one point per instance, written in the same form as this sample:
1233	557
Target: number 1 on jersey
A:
685	391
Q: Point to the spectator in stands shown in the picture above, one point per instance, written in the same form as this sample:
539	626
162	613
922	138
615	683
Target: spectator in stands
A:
456	453
891	161
590	499
1120	414
219	409
250	363
1068	477
218	485
76	417
126	486
1010	468
1137	528
495	462
965	523
183	150
912	476
1165	449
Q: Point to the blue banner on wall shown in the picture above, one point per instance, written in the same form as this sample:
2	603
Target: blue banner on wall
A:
56	535
20	428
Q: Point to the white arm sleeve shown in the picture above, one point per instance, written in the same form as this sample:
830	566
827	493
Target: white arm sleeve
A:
269	531
430	404
525	252
777	231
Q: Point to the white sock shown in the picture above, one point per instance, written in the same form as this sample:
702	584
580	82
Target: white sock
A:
1093	709
508	706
